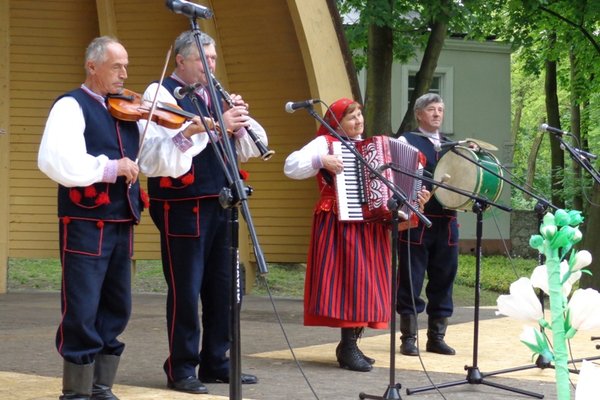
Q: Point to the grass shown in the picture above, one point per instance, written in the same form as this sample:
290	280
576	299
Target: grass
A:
284	280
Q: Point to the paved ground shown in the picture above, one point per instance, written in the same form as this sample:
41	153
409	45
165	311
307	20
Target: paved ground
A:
28	358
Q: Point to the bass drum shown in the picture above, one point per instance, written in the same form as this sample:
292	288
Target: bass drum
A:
467	176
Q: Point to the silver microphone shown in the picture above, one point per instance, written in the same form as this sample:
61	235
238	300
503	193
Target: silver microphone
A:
181	91
189	9
439	146
551	129
291	106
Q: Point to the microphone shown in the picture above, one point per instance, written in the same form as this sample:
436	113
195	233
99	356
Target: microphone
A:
291	106
181	91
585	154
189	9
548	128
444	145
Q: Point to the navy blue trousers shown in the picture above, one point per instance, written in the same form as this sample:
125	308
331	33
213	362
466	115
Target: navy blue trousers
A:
195	244
433	252
96	288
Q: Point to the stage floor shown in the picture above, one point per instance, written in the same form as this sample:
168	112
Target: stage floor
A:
30	367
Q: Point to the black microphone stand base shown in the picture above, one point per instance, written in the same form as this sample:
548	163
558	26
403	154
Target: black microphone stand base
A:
474	376
541	363
392	393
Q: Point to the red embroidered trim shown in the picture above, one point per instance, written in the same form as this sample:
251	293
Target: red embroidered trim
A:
102	199
145	198
165	182
90	192
187	179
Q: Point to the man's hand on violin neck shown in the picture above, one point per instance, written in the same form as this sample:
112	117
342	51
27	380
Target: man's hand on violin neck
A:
128	169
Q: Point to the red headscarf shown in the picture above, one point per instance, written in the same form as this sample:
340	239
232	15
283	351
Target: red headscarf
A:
334	114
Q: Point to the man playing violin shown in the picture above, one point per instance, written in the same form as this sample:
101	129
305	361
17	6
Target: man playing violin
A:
90	155
195	238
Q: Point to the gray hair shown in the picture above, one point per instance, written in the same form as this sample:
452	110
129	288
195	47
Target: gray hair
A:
185	42
96	50
425	100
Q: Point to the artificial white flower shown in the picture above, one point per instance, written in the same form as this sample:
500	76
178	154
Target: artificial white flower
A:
583	258
583	310
537	342
522	302
539	278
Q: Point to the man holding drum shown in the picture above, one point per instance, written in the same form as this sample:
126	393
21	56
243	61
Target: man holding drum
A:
432	251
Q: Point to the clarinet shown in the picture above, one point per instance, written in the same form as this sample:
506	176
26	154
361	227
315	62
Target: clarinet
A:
265	153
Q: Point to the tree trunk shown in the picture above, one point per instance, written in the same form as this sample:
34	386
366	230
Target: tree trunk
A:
531	162
590	241
378	102
576	130
424	77
553	116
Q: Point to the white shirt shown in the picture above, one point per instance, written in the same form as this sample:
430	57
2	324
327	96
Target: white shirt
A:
244	144
63	155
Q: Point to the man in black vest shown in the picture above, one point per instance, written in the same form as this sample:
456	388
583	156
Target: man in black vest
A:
432	251
195	232
90	155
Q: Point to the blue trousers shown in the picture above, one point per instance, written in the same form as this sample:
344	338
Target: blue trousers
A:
96	288
196	256
433	252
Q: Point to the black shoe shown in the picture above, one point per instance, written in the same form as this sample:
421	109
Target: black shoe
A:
368	359
246	379
439	347
408	346
188	385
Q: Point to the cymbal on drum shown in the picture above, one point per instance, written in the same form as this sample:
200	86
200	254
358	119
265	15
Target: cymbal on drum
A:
482	144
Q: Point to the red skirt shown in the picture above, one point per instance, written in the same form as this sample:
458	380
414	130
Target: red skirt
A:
348	274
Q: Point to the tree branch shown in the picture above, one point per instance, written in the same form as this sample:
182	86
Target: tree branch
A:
579	27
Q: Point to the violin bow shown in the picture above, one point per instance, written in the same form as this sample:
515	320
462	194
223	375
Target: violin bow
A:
154	103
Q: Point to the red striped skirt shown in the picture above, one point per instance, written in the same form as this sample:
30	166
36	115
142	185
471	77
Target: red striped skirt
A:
348	274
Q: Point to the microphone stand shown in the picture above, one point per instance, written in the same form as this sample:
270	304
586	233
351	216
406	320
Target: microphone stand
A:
396	201
540	209
231	197
474	375
579	157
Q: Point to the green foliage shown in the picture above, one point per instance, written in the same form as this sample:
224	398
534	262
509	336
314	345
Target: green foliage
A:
39	274
497	272
284	280
410	21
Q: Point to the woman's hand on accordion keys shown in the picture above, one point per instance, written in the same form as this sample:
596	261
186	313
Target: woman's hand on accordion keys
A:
332	163
423	197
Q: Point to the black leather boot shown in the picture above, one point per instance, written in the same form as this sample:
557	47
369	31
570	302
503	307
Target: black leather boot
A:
77	381
359	332
408	337
105	372
436	330
348	354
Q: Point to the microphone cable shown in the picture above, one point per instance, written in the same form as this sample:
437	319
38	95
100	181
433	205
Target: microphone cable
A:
414	305
286	338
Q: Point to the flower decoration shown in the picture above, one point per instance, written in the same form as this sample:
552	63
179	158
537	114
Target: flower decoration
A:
522	302
582	313
539	278
558	233
537	342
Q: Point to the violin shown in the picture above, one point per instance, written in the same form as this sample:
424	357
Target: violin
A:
128	106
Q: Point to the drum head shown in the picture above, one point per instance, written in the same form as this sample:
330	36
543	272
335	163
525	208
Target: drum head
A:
467	176
463	175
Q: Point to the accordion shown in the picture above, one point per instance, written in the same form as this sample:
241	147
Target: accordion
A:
364	197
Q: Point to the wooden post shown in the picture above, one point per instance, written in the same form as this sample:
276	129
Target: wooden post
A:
4	141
